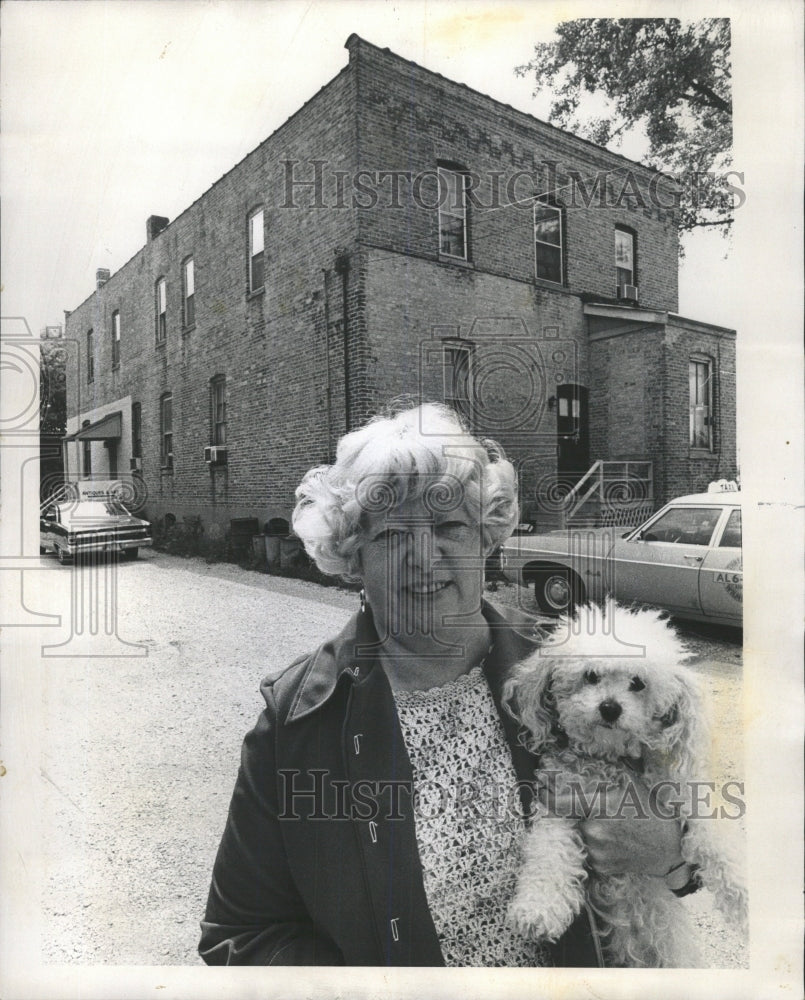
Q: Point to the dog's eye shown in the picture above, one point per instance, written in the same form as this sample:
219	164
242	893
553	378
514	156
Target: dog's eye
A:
636	685
591	677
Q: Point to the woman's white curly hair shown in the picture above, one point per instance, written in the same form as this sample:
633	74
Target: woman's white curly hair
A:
420	452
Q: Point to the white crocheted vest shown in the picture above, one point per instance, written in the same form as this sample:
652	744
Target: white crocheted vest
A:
468	820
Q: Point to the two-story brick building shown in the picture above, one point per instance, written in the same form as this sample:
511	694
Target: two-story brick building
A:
401	233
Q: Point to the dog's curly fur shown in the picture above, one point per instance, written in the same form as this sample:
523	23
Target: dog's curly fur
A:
606	699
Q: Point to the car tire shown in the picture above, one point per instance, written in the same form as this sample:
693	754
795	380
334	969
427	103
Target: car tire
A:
64	558
131	553
558	591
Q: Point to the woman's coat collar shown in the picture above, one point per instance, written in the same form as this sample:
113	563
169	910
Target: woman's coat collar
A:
350	655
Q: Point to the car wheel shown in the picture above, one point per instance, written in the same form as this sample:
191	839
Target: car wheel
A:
131	553
558	591
64	558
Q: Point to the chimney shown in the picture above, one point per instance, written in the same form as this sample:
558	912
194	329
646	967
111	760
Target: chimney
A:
154	226
101	276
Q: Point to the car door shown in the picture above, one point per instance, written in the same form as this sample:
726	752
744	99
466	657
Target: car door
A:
721	577
660	563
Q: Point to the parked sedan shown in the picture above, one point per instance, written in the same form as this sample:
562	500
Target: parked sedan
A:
686	558
73	528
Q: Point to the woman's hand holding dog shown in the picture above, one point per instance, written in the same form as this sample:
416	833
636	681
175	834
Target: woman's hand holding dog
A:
621	831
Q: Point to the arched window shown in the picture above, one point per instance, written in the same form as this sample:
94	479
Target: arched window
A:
548	242
256	249
625	259
161	309
116	338
218	410
700	381
188	293
166	430
453	228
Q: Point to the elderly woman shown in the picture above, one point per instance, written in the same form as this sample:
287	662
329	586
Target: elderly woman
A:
383	791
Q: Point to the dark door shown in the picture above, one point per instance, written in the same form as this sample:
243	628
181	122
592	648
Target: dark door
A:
572	432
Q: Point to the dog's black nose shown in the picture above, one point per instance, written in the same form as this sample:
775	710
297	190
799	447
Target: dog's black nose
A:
610	710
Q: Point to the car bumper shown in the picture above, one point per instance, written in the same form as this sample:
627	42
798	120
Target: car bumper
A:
104	545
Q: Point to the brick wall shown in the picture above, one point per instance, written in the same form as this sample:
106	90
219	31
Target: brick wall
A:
270	346
640	396
411	119
353	294
526	340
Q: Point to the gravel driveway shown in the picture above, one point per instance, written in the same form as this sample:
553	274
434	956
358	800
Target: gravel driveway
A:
140	754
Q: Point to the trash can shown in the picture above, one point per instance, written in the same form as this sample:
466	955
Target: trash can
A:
241	530
275	530
290	552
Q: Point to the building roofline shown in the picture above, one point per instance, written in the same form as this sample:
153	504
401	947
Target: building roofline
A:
676	320
342	72
354	37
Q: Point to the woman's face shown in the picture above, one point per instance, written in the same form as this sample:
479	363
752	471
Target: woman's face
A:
420	568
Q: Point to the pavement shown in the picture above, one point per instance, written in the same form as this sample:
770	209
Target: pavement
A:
139	752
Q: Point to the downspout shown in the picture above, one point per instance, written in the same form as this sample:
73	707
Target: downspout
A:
342	268
327	366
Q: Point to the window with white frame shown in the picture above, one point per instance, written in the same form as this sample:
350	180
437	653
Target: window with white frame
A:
161	311
256	251
457	377
116	339
700	379
218	410
90	356
548	242
166	430
452	213
625	272
188	293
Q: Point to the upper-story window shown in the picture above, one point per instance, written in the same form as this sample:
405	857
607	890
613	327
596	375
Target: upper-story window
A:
90	356
256	249
161	311
166	431
548	242
700	379
452	213
625	257
116	338
218	410
188	293
457	377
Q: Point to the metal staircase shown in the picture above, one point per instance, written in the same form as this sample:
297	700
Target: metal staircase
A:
608	494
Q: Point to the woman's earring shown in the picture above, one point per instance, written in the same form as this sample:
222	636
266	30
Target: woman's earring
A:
363	600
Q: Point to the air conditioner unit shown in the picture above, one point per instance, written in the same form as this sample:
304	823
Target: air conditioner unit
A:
628	292
215	454
136	464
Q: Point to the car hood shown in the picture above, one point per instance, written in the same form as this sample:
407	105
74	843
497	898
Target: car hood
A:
566	540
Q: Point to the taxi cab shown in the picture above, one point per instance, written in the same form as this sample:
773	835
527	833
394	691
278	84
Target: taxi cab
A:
686	558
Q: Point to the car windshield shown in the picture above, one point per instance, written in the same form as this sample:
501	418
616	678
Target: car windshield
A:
683	526
93	509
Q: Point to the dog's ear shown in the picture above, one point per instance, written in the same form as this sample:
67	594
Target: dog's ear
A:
527	696
684	727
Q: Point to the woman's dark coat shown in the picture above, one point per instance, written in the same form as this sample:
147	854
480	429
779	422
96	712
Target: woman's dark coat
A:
318	864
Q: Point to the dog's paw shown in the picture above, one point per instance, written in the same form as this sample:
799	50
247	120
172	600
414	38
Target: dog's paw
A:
537	923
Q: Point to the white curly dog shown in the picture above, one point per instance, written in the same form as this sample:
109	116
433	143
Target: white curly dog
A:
606	702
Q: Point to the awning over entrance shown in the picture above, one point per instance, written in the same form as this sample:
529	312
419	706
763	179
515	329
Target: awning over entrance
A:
105	429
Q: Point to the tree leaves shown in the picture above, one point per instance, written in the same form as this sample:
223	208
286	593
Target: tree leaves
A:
671	78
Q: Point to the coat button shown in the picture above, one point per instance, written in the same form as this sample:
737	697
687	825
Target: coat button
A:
356	740
395	934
